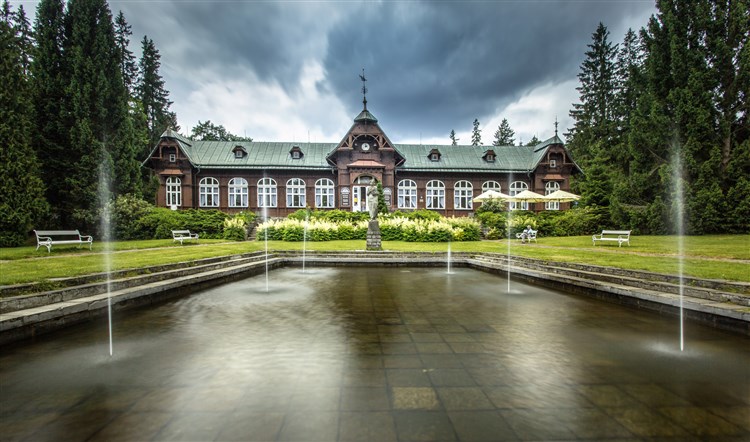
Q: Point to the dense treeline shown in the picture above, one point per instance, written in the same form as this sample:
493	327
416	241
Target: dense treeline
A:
78	115
668	106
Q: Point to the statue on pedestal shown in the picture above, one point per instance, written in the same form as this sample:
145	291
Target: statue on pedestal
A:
372	199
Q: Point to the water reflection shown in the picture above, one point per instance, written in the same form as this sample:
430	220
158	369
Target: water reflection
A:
379	354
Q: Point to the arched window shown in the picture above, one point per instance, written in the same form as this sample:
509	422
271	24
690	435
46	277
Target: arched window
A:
295	193
435	195
208	192
490	185
238	192
324	194
266	193
462	194
517	187
550	187
407	194
174	192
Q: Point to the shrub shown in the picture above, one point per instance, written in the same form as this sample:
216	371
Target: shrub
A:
235	228
125	212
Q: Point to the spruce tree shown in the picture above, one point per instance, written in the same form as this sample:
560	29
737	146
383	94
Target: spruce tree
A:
152	94
454	140
504	134
208	131
101	136
128	65
22	202
533	141
476	134
48	82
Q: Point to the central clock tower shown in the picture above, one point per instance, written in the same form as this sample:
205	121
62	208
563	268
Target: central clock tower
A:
364	154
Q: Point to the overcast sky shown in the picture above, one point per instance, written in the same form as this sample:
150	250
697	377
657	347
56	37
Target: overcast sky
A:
289	70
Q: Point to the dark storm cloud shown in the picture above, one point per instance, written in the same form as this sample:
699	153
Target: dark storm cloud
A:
233	38
432	66
438	66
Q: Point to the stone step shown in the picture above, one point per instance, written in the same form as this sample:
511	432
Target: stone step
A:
122	280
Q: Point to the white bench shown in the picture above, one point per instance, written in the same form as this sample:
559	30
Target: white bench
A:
530	236
48	238
184	235
618	236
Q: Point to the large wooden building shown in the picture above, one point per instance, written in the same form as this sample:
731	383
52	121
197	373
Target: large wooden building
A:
283	177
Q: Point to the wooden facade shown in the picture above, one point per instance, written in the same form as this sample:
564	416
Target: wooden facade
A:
364	153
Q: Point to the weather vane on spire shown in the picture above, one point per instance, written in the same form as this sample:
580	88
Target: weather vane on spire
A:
364	87
555	125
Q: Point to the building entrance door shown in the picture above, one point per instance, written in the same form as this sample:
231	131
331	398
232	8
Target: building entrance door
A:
359	193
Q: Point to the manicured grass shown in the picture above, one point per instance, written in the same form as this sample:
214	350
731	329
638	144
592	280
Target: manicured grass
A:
712	257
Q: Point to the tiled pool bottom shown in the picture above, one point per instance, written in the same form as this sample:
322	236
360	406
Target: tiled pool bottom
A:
379	353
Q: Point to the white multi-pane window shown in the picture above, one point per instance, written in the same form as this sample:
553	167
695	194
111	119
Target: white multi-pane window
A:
435	195
266	192
462	194
550	187
174	191
324	193
517	187
491	185
238	192
295	192
407	194
208	192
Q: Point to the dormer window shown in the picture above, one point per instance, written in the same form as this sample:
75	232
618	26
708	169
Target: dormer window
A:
434	155
239	152
296	153
552	163
489	156
172	158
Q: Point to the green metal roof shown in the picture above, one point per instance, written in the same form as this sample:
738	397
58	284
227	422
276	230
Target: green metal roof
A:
277	155
465	158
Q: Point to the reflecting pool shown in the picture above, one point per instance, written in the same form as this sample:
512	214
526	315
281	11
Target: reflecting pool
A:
379	353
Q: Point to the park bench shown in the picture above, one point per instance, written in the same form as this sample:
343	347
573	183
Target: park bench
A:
530	236
618	236
184	235
48	238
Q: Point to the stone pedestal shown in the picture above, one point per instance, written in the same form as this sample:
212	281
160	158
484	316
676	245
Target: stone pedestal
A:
373	235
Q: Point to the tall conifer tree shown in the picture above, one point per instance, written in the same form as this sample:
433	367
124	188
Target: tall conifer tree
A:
504	134
476	134
101	131
22	200
128	65
151	92
48	80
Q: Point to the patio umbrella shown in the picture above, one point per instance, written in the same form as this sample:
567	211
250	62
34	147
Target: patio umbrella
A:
527	196
562	196
490	195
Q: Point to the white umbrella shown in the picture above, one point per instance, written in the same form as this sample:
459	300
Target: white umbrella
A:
562	196
490	195
527	196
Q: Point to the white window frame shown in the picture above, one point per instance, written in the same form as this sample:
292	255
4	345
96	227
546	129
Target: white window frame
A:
515	188
552	164
172	158
267	191
174	191
549	187
407	194
491	185
295	192
208	192
435	195
238	192
462	195
325	194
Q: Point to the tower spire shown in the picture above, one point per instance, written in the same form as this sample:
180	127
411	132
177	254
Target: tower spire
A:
364	88
555	125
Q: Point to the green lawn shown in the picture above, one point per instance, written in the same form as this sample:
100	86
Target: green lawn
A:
713	257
